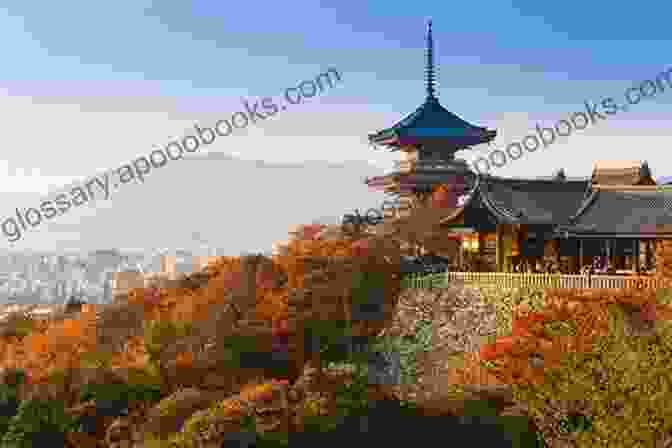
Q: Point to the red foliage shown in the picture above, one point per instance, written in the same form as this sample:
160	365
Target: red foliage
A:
264	279
523	325
520	328
487	351
360	248
444	199
280	327
309	231
648	311
502	346
230	279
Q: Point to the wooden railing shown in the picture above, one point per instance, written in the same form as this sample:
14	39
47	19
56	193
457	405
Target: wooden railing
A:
424	281
517	280
427	165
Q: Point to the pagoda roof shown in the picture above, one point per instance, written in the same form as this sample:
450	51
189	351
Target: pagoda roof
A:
431	122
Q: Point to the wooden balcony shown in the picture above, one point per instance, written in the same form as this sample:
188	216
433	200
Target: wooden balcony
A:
520	280
407	166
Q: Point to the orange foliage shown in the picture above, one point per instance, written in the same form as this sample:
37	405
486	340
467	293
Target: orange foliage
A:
132	355
472	372
59	344
586	310
272	304
184	359
293	262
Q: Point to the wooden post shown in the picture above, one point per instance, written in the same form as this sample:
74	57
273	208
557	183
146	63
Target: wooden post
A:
580	243
460	255
499	253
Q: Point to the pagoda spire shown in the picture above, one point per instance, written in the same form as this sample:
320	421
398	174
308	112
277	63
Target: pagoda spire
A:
644	170
429	69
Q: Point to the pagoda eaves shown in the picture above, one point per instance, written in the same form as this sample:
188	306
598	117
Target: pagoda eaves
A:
433	124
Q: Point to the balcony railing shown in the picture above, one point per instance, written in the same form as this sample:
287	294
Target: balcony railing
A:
427	165
564	281
424	281
520	280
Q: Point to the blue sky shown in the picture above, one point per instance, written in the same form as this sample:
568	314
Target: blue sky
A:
87	86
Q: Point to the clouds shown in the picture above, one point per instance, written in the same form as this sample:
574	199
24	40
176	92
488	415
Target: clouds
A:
90	86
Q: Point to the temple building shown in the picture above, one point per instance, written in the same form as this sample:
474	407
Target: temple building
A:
510	224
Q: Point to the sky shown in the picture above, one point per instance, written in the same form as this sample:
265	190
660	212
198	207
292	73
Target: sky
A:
89	86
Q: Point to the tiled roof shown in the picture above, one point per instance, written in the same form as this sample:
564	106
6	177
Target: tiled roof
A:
431	121
534	201
615	212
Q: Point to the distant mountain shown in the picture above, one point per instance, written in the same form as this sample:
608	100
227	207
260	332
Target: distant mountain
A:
235	204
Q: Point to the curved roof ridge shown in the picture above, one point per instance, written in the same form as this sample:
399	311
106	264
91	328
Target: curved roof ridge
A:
469	197
587	202
495	208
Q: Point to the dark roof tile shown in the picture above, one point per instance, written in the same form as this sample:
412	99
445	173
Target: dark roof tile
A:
431	121
615	212
535	201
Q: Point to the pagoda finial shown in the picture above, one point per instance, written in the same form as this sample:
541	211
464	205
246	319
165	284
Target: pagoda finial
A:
429	69
644	170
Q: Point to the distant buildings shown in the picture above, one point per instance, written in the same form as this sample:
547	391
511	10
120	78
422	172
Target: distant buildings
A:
96	276
168	264
200	262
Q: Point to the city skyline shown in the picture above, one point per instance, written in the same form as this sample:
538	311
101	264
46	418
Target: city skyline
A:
55	278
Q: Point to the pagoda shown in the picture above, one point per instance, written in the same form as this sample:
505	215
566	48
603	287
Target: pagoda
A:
428	139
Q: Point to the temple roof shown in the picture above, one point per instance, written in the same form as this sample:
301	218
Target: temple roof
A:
524	201
431	123
623	213
534	201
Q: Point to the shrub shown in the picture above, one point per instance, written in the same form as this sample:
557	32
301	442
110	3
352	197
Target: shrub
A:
14	377
613	392
9	406
18	324
368	295
508	301
239	348
406	348
98	359
120	393
38	423
112	400
161	339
